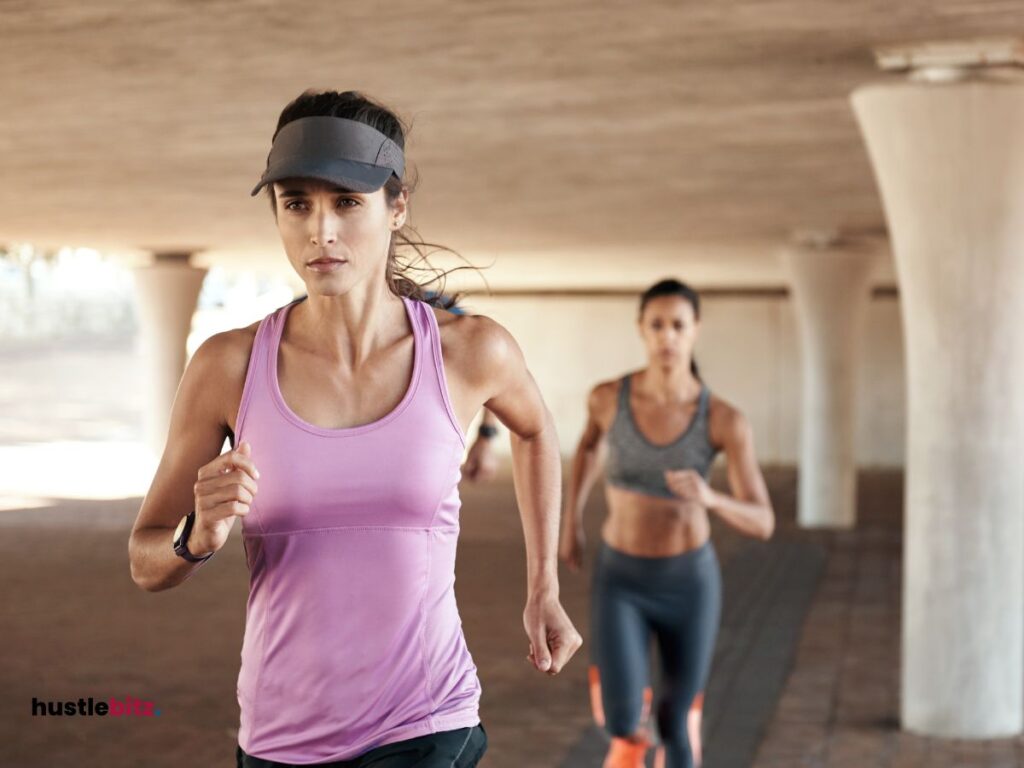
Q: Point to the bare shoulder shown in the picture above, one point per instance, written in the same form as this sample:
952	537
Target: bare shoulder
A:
221	363
203	411
727	423
603	400
230	345
475	345
227	352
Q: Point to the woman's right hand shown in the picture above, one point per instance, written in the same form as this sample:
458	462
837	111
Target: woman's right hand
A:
223	492
571	547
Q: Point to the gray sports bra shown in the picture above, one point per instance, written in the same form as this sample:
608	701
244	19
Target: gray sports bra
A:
636	464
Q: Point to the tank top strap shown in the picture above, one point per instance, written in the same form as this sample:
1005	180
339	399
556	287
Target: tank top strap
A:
276	331
257	377
705	398
433	362
624	392
704	415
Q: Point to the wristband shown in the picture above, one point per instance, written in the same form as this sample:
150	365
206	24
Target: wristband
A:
181	540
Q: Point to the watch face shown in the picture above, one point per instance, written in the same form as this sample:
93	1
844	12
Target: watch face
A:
179	529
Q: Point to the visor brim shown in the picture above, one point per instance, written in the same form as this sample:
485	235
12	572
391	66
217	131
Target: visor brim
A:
348	174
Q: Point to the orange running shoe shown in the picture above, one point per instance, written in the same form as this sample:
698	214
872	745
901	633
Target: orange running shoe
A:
622	753
626	754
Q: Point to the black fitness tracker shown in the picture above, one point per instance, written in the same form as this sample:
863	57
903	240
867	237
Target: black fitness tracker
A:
487	431
181	539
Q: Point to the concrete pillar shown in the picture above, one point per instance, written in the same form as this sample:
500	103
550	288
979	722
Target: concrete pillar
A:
831	282
166	292
949	160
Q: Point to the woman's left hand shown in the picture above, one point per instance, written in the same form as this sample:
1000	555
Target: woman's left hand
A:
553	638
481	463
688	484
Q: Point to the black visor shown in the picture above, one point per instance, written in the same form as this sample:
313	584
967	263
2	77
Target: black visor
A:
344	152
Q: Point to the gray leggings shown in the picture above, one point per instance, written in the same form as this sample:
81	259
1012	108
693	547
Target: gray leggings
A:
676	599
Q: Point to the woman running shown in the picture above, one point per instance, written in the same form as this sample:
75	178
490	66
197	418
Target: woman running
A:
656	572
347	412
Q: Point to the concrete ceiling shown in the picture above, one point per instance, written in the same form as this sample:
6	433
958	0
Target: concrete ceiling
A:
567	142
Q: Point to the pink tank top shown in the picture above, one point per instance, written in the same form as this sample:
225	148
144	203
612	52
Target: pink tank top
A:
352	635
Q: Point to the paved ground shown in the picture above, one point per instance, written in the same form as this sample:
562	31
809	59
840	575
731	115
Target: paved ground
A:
840	706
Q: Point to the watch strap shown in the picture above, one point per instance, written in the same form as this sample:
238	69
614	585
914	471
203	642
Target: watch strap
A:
181	544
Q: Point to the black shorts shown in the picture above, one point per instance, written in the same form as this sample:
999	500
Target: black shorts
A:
461	748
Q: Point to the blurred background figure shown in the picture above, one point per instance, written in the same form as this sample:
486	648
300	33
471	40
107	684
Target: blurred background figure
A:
656	573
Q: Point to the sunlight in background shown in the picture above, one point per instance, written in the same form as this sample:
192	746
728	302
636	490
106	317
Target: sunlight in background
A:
70	405
73	470
234	300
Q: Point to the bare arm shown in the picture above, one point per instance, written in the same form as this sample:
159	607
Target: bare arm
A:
586	467
749	508
536	463
494	364
190	464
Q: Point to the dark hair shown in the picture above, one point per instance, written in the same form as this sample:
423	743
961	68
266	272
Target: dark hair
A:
672	287
414	256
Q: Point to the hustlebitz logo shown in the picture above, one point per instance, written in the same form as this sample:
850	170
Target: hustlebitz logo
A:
126	707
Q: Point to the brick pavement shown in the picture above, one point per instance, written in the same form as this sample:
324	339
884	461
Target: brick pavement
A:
840	706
